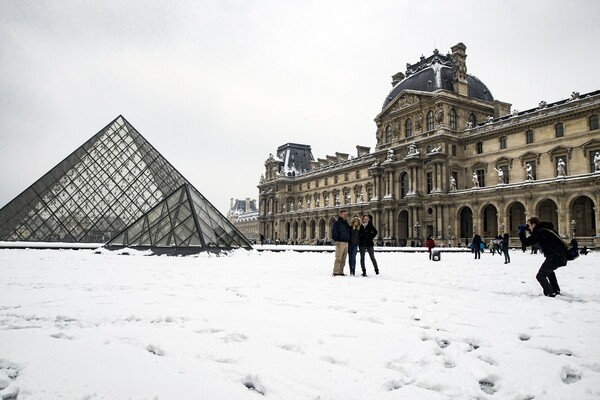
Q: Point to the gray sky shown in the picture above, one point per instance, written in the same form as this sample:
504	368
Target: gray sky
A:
217	85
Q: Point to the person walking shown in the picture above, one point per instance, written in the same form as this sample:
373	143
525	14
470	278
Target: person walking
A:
543	234
340	234
505	242
430	245
367	234
477	246
353	244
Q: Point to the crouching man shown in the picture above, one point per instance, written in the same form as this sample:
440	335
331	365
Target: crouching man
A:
543	234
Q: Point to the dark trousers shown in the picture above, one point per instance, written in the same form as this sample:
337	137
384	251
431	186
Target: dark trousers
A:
371	256
506	255
477	252
547	278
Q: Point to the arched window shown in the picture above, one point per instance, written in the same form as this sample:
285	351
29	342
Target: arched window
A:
430	121
559	130
472	120
453	119
593	122
408	127
388	134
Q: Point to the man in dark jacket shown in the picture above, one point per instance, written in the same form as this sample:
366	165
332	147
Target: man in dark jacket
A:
340	233
553	248
365	243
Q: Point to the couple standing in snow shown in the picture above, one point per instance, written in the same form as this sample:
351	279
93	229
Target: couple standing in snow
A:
351	239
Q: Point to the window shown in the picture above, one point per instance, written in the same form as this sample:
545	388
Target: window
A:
503	142
317	183
559	130
346	177
308	185
453	119
388	134
369	193
357	174
430	121
481	177
594	122
335	179
529	137
403	185
472	120
429	182
300	187
289	188
453	150
479	147
408	127
326	181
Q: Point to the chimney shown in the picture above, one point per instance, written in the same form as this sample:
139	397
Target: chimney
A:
459	69
247	204
397	78
231	203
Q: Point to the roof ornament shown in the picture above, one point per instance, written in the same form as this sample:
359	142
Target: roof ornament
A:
543	104
574	96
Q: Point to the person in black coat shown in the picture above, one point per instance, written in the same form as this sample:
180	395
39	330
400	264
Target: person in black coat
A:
365	243
340	233
505	243
477	246
543	234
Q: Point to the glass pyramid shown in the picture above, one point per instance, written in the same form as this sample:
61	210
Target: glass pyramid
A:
182	220
92	195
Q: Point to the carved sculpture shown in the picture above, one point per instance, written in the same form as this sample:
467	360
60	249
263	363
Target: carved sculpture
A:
560	170
529	172
597	162
412	151
452	184
500	175
475	180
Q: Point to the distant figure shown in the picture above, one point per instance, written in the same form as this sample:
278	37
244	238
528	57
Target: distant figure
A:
528	172
262	239
560	170
477	246
584	251
505	243
430	245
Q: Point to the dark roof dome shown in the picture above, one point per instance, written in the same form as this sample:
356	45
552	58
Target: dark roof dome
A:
435	73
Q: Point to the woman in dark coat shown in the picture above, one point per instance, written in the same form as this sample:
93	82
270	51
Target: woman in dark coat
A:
353	244
365	242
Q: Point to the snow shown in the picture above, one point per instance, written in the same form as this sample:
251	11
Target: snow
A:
77	324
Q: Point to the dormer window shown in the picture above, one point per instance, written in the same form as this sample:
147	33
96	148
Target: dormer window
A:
453	119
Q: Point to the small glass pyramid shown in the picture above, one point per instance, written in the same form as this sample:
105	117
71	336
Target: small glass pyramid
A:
97	191
184	221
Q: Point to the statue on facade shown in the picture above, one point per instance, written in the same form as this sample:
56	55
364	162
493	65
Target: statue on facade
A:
475	180
412	151
436	149
469	125
262	179
390	156
500	175
418	121
452	184
529	172
597	162
439	116
574	96
560	170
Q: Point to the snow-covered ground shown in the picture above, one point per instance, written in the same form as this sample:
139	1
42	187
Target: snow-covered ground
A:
80	325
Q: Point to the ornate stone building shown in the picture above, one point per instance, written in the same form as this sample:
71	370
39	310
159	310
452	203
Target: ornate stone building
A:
450	161
243	214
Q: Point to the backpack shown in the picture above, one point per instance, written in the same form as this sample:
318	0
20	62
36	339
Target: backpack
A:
570	250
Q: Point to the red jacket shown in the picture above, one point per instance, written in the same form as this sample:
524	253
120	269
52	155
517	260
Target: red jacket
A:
430	244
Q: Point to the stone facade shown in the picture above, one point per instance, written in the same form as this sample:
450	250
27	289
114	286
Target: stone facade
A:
243	214
450	161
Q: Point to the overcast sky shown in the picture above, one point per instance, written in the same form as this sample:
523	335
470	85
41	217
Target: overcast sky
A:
217	85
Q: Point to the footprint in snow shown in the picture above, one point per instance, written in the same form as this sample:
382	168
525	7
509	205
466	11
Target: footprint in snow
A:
234	338
487	386
570	375
559	352
252	382
333	360
151	348
292	347
524	337
61	335
8	373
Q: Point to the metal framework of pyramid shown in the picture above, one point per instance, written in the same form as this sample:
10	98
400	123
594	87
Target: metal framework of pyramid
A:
95	193
182	220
